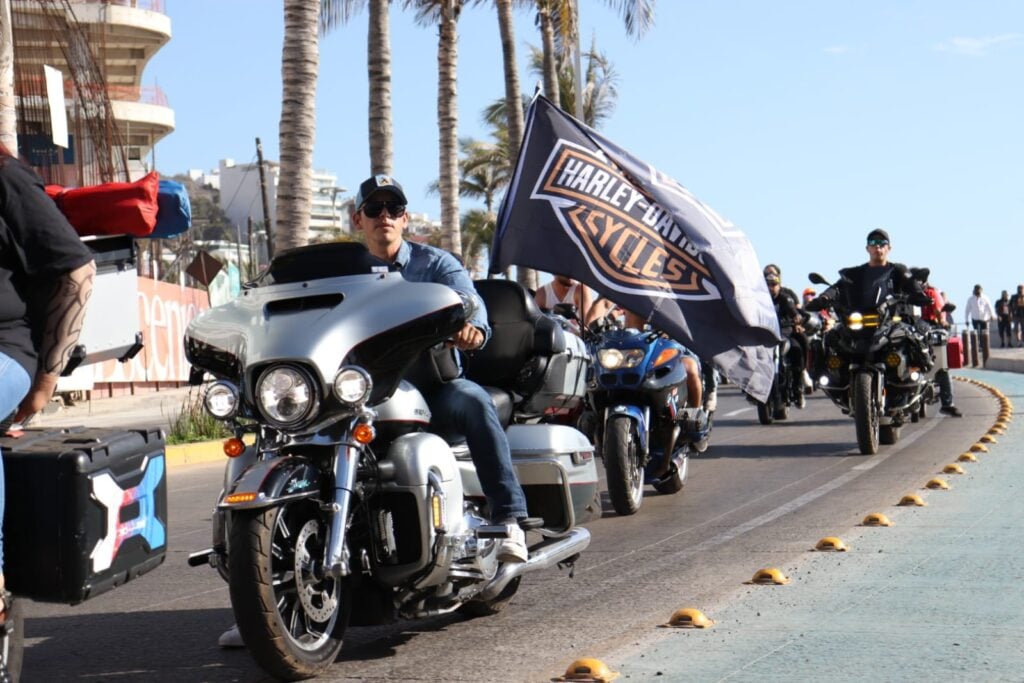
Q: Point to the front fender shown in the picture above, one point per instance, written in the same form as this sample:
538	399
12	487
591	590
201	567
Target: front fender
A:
270	482
634	413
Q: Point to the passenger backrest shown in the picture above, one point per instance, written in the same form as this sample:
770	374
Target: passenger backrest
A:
522	339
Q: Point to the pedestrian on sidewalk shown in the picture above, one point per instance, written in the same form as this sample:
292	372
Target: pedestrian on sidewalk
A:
979	311
1017	307
1004	316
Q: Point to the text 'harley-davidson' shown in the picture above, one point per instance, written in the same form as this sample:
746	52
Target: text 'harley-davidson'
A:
343	508
874	360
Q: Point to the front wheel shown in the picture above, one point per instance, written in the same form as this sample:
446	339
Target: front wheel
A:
12	638
622	466
291	621
865	414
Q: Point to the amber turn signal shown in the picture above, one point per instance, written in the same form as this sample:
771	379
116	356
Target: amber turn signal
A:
364	433
234	447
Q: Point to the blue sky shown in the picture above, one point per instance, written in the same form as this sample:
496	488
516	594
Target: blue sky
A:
807	122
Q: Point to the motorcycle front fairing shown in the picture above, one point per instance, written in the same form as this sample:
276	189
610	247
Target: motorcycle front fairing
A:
325	323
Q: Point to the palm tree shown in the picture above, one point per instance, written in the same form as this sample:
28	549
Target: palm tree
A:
599	86
8	113
378	52
445	14
477	235
558	21
300	63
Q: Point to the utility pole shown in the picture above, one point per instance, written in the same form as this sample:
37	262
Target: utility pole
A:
266	204
8	112
252	251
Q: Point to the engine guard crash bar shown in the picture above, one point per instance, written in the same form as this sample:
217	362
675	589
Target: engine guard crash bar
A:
543	556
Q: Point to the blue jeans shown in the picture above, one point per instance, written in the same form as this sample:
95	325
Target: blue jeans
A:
14	385
463	407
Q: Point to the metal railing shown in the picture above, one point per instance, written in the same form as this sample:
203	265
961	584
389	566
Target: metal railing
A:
151	5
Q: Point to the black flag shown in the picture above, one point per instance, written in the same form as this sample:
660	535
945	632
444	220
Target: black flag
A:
581	206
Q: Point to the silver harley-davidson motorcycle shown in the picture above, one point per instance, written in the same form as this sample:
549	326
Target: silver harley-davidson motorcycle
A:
341	507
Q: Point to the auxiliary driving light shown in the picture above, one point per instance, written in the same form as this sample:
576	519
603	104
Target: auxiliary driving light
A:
834	362
892	360
221	400
855	321
352	385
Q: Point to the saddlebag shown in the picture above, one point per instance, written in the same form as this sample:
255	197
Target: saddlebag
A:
86	510
555	466
565	379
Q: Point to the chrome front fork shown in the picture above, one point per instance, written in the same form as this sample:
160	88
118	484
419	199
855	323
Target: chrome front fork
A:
346	462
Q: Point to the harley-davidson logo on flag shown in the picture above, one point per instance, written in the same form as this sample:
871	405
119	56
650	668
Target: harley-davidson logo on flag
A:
580	206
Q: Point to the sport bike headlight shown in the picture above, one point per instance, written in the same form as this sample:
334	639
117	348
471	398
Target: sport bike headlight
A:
855	321
352	385
286	395
614	359
221	400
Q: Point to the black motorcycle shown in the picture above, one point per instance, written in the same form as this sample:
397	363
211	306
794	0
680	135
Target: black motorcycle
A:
874	362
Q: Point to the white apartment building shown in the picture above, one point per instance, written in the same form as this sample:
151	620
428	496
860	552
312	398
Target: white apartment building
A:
240	198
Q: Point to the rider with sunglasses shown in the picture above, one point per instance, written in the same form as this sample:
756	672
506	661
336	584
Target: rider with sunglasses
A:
459	405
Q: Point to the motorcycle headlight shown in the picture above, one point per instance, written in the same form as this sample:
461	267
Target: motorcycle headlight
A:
855	321
614	359
286	395
352	385
221	400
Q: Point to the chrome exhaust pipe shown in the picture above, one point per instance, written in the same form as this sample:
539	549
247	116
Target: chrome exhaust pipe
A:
544	556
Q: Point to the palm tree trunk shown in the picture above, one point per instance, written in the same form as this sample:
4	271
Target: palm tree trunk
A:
8	113
447	122
513	105
300	63
547	37
379	66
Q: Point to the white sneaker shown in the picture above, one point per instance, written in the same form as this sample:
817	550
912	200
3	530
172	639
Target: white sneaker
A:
807	379
711	401
513	548
231	638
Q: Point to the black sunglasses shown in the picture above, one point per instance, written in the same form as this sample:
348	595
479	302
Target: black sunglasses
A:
878	243
374	209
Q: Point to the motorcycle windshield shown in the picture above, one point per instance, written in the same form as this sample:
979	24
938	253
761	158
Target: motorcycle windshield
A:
865	290
348	309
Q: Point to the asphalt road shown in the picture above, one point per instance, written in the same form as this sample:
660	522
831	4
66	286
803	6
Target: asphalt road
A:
758	498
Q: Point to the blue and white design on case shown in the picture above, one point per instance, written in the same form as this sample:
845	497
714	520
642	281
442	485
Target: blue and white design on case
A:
108	493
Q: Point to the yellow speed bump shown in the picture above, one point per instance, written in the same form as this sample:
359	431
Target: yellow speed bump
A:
997	430
939	484
952	468
912	499
771	575
588	669
988	438
979	448
831	544
689	617
876	519
968	457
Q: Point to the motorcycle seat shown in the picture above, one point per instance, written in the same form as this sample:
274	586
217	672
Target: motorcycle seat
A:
523	340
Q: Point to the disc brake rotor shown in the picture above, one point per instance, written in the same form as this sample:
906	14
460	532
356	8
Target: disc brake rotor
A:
318	597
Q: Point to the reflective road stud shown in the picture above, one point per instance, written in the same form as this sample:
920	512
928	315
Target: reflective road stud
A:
769	576
831	544
968	457
953	468
979	448
988	438
876	519
588	669
937	484
912	499
688	617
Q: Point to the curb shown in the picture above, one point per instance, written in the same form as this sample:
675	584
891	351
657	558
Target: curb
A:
181	455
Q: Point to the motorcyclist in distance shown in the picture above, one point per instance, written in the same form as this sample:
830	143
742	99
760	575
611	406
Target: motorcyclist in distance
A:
933	314
796	334
892	278
790	324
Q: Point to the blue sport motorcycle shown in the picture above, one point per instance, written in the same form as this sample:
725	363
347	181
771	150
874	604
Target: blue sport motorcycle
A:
644	427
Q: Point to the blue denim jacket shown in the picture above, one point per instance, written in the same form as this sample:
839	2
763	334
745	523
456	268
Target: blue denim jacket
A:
424	263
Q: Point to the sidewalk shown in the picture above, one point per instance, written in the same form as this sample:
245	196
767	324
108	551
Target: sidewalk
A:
936	596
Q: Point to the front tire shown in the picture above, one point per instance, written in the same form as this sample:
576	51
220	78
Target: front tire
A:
864	414
623	470
291	622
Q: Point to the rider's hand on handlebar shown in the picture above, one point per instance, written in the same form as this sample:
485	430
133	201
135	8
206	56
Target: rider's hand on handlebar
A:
469	338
